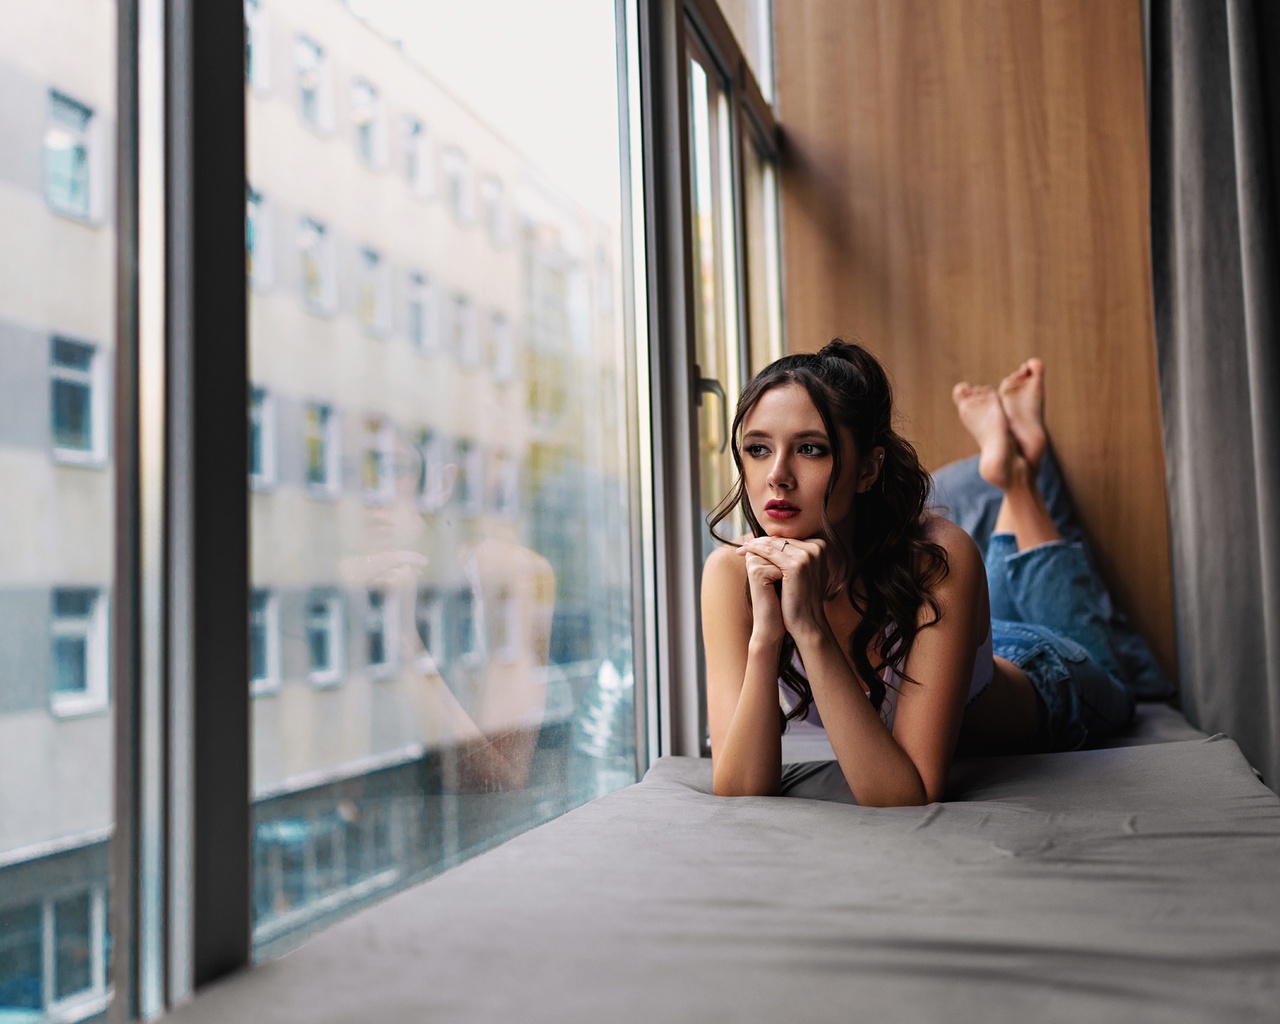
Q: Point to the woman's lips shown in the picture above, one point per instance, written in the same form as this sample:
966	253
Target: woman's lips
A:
780	510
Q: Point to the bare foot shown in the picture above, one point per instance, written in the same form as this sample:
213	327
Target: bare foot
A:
1022	397
984	418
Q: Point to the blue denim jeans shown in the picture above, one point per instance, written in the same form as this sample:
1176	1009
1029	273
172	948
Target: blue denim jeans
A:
1049	617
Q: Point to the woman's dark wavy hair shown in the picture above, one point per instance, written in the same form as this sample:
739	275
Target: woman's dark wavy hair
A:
888	553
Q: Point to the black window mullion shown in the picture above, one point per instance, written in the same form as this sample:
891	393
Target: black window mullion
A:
208	506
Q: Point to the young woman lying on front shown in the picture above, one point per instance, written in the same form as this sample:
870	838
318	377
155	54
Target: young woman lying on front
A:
874	618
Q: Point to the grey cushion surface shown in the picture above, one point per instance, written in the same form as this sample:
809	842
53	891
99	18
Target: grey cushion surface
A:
1134	883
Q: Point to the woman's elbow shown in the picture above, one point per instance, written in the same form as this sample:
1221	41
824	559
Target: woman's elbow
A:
724	786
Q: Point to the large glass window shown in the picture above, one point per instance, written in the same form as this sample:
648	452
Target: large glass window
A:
445	614
57	505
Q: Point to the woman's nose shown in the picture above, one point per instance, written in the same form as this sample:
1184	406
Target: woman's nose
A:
779	472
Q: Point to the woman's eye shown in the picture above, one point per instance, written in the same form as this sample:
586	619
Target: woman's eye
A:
813	450
756	451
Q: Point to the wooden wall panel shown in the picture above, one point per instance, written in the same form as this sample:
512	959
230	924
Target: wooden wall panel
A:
965	185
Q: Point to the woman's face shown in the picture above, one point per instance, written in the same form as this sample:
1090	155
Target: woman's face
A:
786	462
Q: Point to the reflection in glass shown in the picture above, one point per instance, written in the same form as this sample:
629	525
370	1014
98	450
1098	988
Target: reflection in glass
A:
57	496
716	335
442	603
66	156
764	285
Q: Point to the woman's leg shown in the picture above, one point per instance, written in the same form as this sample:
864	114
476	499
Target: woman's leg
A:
1037	578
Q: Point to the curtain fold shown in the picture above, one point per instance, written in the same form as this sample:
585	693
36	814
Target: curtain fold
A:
1214	71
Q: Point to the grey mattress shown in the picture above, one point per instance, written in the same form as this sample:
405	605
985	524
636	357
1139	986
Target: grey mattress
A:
1135	883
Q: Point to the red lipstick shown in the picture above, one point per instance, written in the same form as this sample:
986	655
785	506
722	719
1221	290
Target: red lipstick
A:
778	509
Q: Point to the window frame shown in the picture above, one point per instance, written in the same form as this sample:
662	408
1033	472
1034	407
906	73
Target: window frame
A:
385	617
464	331
324	302
270	681
373	291
370	139
87	136
257	38
459	184
417	156
262	402
93	628
320	120
259	239
203	927
331	435
331	676
422	291
93	380
378	450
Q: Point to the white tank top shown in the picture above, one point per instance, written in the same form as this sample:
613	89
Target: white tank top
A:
984	668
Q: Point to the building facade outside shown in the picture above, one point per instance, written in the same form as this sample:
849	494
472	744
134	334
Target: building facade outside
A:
439	485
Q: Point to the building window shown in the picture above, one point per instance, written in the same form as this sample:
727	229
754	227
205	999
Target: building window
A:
324	638
504	627
366	117
262	439
458	187
494	209
375	291
77	414
503	343
504	483
419	171
468	489
377	466
464	630
79	640
435	483
428	617
423	314
320	438
257	239
465	333
379	631
69	158
53	957
264	642
319	281
313	84
256	48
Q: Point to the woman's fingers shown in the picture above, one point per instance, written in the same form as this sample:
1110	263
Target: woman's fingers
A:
784	552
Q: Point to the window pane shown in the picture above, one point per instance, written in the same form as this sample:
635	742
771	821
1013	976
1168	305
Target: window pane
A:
67	155
447	534
21	958
752	25
73	945
57	503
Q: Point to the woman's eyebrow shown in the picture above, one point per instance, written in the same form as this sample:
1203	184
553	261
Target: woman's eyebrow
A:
804	435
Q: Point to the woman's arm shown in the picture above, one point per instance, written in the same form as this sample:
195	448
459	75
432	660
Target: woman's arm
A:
909	765
741	640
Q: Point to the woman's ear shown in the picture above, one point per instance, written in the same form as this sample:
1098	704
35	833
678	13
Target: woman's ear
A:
871	468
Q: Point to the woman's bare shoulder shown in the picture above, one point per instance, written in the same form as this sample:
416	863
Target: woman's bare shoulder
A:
962	553
724	562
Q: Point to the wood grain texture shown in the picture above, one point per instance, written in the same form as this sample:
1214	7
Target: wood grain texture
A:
965	185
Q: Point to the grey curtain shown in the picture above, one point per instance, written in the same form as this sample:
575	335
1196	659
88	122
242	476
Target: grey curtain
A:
1214	68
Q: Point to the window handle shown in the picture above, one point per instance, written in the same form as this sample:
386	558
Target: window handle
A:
709	385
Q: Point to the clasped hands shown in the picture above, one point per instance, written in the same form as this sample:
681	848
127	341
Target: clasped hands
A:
788	581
